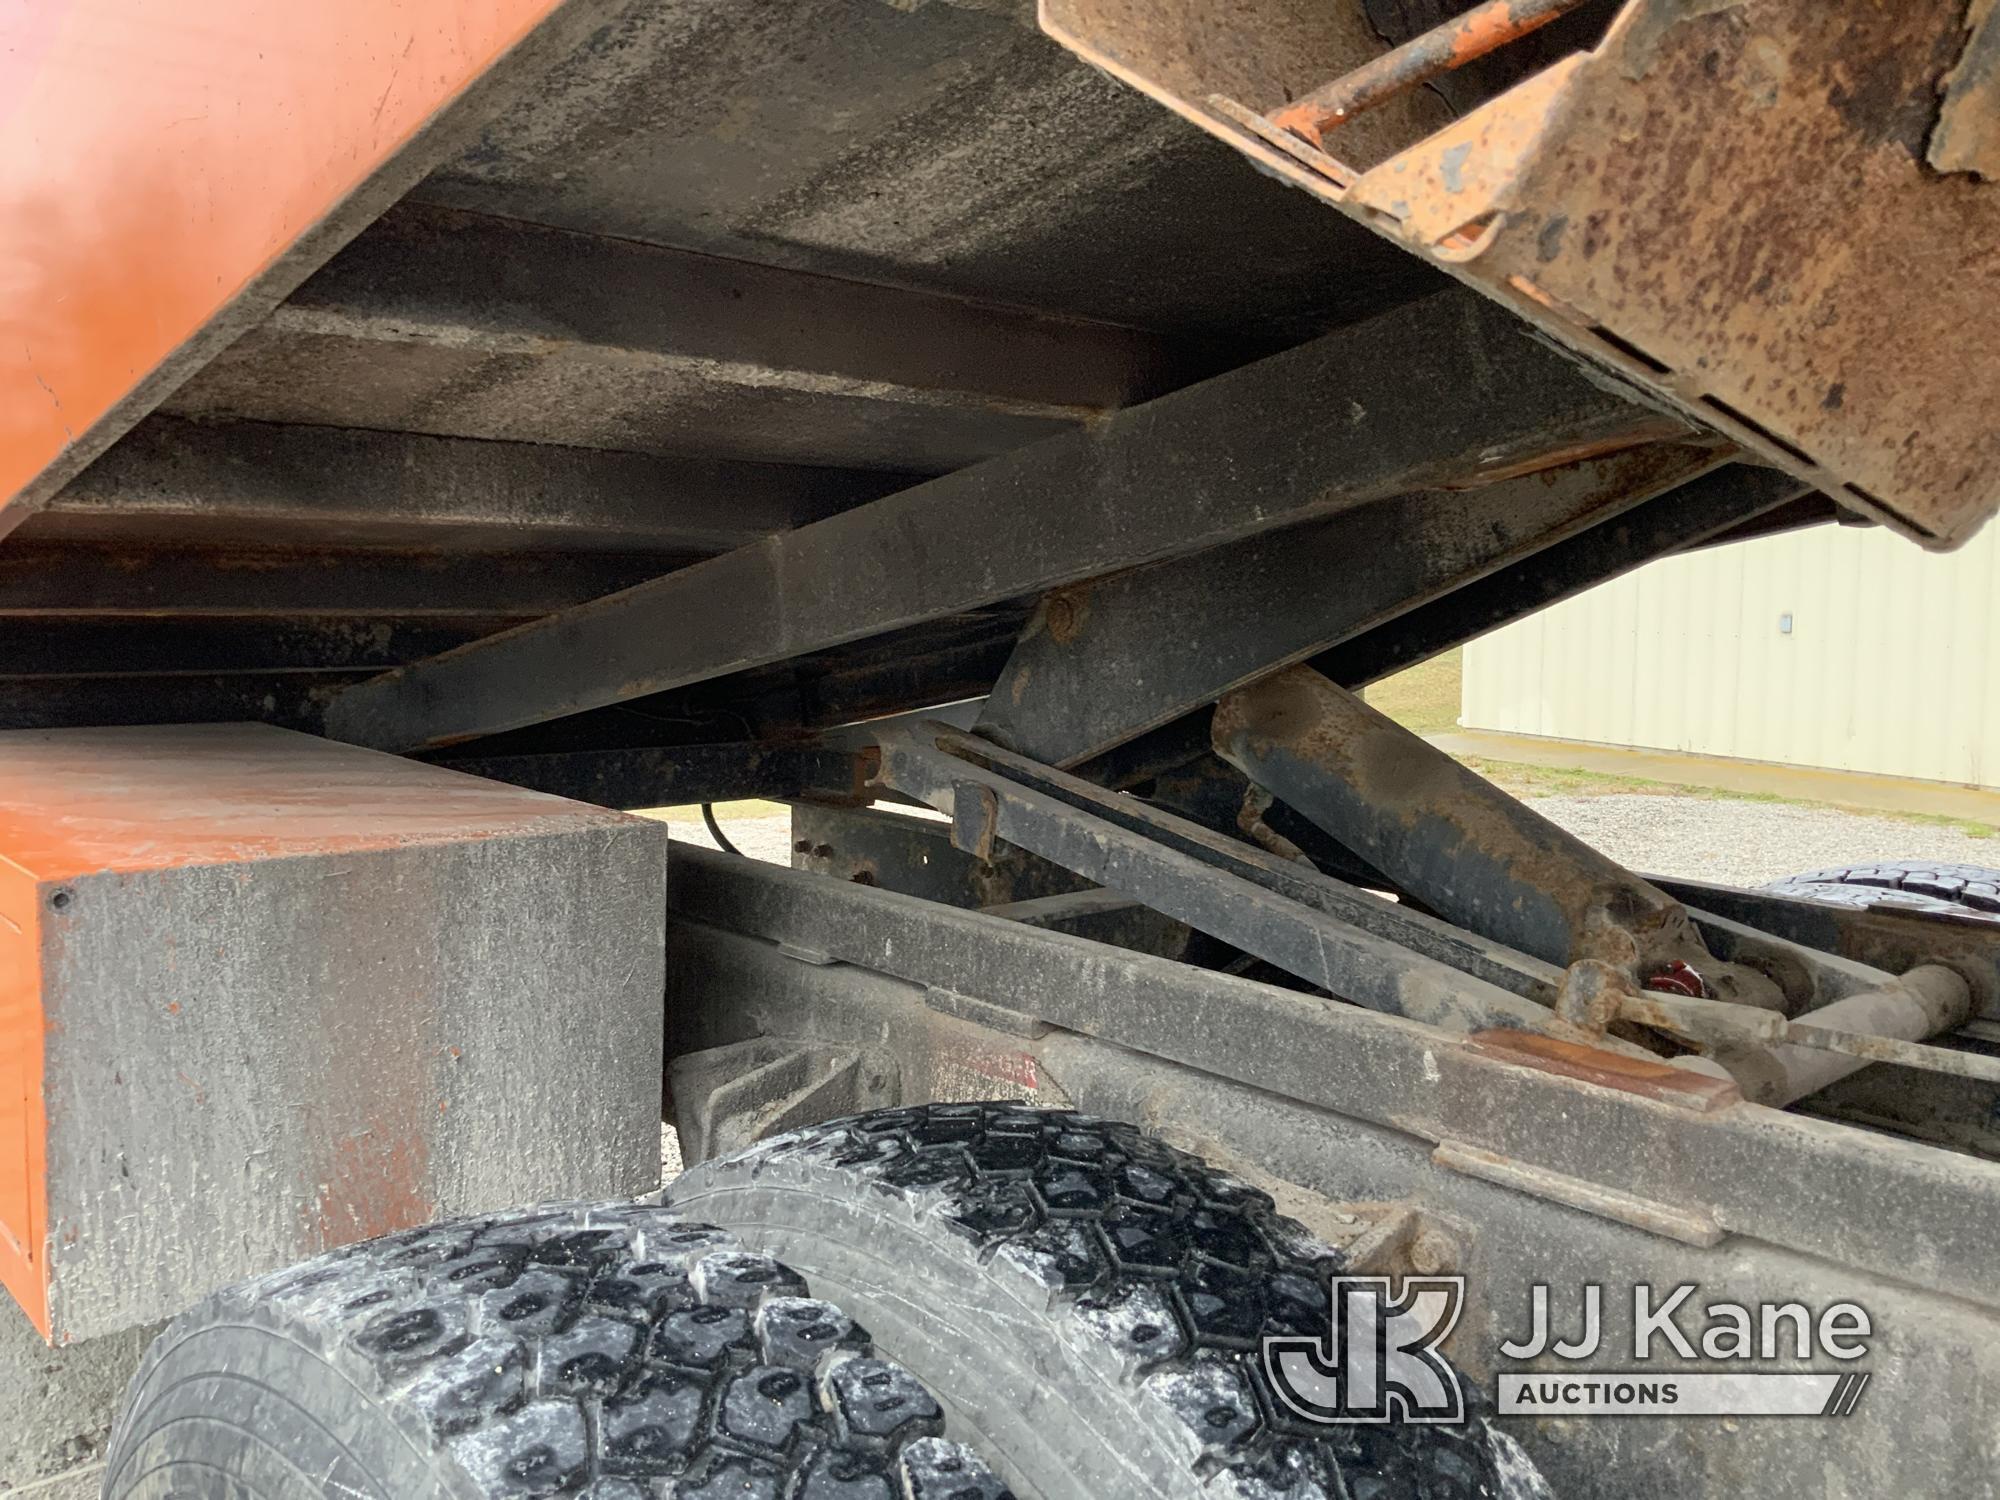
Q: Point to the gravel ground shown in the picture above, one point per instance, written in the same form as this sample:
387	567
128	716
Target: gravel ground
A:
1748	843
760	838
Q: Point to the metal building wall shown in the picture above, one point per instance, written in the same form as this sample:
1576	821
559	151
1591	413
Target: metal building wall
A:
1890	665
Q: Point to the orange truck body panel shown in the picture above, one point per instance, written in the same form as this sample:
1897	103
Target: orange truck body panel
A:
108	830
23	1128
77	806
156	156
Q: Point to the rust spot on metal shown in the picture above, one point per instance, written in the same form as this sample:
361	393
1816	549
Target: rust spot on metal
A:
1412	786
1017	1068
1889	97
1474	854
1967	137
1063	616
1647	27
1817	117
975	820
1562	458
1442	49
374	1187
1593	994
1612	1070
1750	193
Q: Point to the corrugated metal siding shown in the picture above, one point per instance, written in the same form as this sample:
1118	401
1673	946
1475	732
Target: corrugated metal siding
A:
1890	666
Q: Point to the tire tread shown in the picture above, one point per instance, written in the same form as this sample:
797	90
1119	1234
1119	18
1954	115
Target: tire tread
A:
616	1352
1158	1274
1906	885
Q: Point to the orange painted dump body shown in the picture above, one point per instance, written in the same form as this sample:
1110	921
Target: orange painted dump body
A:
157	155
23	1128
78	804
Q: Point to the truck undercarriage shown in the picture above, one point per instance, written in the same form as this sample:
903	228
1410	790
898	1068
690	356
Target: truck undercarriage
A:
892	410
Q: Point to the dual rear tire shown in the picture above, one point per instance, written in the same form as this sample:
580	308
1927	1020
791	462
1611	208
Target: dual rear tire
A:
1074	1311
1924	886
613	1352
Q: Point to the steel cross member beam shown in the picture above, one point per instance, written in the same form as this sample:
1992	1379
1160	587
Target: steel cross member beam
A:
1294	880
470	323
1443	391
669	775
1106	660
271	484
1668	523
1199	878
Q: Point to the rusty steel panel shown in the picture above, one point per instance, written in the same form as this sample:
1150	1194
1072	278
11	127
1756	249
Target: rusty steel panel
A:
263	995
160	162
1463	39
1967	138
1728	200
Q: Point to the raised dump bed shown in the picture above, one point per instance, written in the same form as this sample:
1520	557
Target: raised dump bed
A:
867	403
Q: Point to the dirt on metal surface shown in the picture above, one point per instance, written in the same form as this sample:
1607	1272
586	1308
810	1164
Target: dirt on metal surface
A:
1452	45
77	802
1184	51
1967	138
1728	200
260	993
1798	271
156	168
1417	796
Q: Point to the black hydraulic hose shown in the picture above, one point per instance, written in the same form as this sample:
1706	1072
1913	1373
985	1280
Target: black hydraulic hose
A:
715	830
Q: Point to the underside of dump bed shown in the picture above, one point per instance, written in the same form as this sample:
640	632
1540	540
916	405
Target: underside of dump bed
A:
397	336
712	273
660	283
